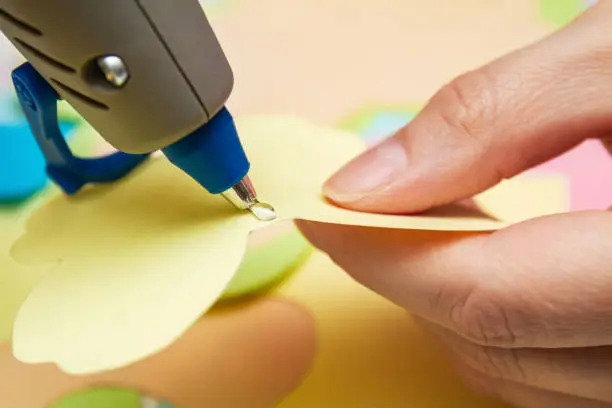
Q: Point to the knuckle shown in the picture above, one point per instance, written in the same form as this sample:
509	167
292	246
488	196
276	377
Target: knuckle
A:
498	363
484	319
469	106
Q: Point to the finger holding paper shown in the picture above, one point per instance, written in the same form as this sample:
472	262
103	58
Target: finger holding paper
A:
527	304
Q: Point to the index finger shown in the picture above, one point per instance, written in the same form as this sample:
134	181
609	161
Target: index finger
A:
490	124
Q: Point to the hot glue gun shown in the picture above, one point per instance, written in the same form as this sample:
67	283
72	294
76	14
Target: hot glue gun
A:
148	75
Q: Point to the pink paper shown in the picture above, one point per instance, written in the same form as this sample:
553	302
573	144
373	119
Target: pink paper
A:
589	170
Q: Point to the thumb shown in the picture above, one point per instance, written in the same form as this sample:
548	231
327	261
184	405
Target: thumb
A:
491	124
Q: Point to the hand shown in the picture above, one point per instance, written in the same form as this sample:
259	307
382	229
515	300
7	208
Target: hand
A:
526	312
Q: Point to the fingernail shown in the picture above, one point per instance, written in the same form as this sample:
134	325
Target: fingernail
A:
369	173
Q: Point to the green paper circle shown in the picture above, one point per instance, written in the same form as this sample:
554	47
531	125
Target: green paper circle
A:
561	12
268	263
361	118
66	112
100	398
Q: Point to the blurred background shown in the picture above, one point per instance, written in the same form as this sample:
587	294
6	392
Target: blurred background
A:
366	66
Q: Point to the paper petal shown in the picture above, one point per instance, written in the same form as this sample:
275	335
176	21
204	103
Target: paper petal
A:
142	259
140	262
16	281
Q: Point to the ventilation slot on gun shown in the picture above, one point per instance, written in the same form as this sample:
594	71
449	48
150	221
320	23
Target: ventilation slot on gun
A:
44	57
19	23
83	98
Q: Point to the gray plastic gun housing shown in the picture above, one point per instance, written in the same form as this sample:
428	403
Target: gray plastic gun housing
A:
177	74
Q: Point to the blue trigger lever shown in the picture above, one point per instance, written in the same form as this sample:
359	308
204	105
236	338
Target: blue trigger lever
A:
39	103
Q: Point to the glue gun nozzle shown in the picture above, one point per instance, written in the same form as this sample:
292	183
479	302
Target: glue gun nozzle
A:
244	197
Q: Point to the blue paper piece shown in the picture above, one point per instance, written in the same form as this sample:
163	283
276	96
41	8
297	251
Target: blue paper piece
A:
22	165
385	124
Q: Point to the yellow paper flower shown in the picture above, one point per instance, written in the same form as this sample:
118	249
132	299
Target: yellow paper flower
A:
139	261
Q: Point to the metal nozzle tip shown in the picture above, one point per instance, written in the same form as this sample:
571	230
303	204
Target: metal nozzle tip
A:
243	197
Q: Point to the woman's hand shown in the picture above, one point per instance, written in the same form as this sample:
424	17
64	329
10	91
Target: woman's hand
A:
526	311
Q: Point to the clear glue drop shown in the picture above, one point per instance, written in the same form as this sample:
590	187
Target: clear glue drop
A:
263	211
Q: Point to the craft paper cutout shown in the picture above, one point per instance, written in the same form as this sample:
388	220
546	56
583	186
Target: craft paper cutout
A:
532	196
22	165
377	122
152	253
267	263
108	398
101	398
16	281
578	166
561	12
217	363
